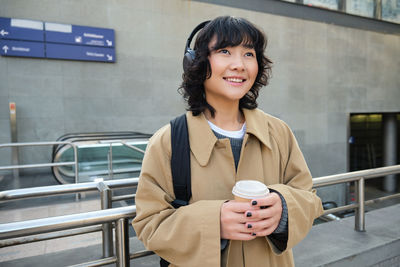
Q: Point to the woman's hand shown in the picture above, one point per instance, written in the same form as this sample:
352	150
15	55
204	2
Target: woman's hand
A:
247	220
266	215
233	221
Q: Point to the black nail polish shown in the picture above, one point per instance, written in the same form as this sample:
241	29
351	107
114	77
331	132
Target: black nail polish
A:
248	214
249	226
254	203
253	234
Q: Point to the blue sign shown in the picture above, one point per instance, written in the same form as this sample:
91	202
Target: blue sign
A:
79	35
30	38
21	48
21	29
75	52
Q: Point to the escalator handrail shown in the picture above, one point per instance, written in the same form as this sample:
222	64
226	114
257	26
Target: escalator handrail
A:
62	137
94	137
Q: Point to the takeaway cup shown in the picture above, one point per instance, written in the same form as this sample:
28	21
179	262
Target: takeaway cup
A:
246	190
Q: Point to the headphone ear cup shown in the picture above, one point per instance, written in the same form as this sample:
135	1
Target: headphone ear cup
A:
188	59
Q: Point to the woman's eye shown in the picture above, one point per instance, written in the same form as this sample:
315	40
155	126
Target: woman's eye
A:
249	54
224	51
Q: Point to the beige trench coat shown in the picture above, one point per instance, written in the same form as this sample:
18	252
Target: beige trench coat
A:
190	235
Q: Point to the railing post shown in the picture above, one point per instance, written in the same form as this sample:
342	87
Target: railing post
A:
76	162
360	211
122	243
77	195
110	162
107	234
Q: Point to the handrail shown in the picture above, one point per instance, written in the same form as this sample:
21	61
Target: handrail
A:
132	147
51	224
46	225
354	176
92	186
41	165
50	190
359	178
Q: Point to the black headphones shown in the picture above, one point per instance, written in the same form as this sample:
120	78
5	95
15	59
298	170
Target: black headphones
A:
190	54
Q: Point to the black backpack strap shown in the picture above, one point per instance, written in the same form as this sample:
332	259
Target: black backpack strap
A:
180	165
180	161
163	263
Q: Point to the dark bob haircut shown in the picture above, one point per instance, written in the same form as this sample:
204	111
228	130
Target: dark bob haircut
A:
229	32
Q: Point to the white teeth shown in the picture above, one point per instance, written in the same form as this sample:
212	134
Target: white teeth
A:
235	80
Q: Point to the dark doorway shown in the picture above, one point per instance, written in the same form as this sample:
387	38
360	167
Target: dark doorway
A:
366	141
366	146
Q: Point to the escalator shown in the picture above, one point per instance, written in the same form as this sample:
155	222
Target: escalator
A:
101	155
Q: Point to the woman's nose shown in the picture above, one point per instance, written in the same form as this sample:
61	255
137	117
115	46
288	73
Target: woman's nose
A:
237	63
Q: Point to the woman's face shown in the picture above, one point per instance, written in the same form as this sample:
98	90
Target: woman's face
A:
233	73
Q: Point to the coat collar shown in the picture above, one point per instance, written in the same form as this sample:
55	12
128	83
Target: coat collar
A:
202	139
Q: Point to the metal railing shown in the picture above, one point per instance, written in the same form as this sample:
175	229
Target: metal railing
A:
359	178
119	216
110	153
75	224
104	187
41	165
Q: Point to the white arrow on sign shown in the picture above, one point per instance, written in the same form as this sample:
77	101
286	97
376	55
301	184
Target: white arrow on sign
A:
3	32
109	43
109	57
5	48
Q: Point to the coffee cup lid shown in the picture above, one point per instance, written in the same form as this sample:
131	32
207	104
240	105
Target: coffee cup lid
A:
250	189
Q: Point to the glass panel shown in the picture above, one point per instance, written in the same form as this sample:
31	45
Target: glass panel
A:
331	4
360	7
93	161
391	10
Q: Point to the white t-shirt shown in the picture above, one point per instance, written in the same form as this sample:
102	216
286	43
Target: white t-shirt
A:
231	134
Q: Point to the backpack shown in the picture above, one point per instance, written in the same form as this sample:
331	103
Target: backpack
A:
180	165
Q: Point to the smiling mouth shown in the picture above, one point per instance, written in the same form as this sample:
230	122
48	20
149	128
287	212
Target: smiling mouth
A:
234	80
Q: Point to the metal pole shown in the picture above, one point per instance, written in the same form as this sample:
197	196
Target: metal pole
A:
78	195
360	212
76	163
110	167
107	235
378	9
122	243
14	139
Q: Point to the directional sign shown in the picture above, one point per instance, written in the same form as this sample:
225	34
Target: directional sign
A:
21	48
21	29
79	35
75	52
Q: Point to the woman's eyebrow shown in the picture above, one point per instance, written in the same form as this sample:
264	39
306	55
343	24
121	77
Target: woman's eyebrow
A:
250	46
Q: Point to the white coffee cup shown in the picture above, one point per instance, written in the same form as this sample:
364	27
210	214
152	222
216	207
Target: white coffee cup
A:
246	190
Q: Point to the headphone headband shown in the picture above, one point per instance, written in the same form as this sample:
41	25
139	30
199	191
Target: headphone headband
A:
195	30
190	54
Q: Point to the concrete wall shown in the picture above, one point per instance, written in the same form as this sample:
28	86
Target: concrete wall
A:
321	74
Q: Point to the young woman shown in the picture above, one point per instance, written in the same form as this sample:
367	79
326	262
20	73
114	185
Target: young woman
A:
230	140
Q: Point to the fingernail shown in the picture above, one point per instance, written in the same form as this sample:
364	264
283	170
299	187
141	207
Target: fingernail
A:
253	234
254	203
249	226
248	214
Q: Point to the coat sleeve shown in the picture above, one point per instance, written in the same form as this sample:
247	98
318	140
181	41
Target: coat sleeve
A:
303	204
187	236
